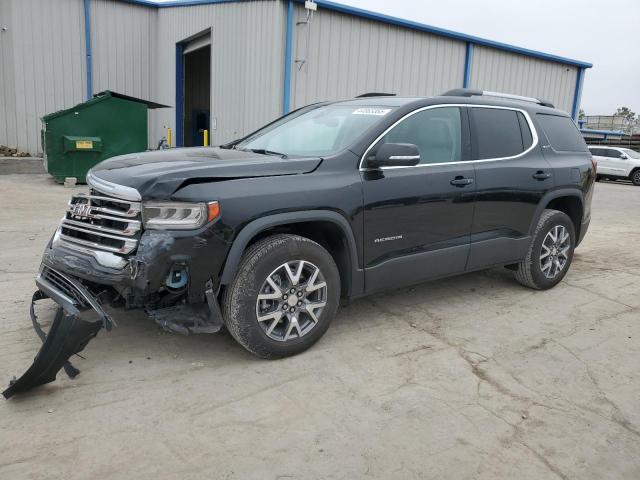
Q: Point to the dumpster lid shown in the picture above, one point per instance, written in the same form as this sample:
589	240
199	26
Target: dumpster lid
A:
148	103
99	97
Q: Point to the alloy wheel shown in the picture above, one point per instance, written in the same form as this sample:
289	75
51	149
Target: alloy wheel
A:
555	251
291	300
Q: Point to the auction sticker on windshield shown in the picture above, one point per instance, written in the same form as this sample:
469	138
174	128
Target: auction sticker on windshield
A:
371	111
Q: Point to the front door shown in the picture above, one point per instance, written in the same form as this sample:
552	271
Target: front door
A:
417	219
614	163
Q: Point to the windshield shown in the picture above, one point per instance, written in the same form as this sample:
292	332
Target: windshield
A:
631	153
317	132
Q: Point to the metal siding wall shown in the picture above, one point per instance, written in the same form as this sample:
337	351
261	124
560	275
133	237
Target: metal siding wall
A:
348	56
8	128
508	72
247	52
123	38
43	65
43	62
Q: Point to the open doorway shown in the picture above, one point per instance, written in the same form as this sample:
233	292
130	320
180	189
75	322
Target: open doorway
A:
195	91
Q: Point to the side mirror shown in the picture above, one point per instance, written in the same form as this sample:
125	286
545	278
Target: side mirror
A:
623	156
395	155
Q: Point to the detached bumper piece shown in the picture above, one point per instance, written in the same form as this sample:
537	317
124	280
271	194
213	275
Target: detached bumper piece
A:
190	319
78	319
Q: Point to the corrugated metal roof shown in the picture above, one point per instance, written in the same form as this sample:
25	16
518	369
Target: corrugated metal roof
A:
338	7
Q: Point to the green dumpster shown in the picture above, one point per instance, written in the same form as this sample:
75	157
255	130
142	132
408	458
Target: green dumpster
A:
76	139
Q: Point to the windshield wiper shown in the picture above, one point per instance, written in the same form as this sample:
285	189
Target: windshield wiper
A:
262	151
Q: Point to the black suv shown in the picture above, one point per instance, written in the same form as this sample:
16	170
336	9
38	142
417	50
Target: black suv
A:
335	200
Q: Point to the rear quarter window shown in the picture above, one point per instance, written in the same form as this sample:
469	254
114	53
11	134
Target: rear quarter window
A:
562	133
527	137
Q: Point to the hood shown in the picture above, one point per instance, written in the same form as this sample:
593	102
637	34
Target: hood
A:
158	174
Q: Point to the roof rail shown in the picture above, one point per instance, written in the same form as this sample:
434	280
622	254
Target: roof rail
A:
470	92
376	94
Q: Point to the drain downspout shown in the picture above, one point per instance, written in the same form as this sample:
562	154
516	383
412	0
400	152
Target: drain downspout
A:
87	43
286	94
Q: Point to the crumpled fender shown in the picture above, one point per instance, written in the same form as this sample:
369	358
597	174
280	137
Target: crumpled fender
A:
78	319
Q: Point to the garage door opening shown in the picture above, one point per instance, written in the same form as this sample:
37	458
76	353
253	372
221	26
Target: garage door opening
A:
195	91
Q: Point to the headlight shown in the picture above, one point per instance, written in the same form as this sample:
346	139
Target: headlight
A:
178	215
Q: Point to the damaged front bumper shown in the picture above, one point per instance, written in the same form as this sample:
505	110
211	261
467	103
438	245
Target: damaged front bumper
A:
81	279
80	283
78	319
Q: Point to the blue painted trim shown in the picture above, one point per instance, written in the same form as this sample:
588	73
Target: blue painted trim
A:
467	65
177	3
286	94
87	47
179	94
337	7
577	94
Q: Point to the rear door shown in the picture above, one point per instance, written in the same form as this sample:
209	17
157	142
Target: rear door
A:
417	220
605	161
512	176
598	155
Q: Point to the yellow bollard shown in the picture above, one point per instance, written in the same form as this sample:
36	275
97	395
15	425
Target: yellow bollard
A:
206	138
169	137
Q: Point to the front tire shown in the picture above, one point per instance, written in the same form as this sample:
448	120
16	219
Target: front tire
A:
284	296
550	253
635	177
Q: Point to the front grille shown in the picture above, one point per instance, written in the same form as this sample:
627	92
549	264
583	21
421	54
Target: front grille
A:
102	222
60	283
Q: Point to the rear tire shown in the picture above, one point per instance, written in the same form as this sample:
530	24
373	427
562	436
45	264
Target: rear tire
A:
299	288
550	253
635	177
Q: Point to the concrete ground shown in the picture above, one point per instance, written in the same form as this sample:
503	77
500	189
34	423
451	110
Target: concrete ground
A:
471	377
15	165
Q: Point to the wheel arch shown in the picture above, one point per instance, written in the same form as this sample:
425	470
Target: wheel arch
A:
568	201
328	228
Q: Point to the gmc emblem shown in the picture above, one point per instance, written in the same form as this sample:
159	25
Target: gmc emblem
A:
82	210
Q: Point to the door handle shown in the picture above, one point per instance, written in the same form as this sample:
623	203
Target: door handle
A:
540	175
461	181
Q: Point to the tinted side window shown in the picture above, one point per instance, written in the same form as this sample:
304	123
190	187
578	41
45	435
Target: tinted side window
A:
596	151
613	153
562	133
436	133
497	133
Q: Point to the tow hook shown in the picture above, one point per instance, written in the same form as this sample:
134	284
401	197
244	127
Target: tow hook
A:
78	319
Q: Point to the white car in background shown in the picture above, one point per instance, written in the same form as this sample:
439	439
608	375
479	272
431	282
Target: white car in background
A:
617	162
